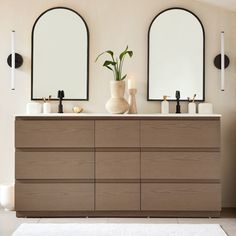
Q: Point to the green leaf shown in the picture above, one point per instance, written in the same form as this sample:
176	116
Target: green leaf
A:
116	64
123	77
130	53
108	63
108	67
108	52
123	53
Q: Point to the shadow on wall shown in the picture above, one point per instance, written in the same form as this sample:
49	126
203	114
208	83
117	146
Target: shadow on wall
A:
228	166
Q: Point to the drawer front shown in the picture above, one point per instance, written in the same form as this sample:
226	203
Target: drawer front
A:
54	133
117	133
54	197
180	133
117	165
54	165
180	197
180	165
117	197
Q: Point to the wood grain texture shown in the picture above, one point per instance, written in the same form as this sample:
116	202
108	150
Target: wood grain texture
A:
180	165
180	133
54	133
180	197
117	133
54	165
54	197
117	165
117	196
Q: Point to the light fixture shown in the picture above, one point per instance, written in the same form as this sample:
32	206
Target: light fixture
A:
222	61
14	60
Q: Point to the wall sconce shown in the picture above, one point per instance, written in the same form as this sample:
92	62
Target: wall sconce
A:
14	60
222	61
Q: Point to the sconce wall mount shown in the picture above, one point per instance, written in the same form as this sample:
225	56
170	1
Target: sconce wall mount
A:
217	61
18	60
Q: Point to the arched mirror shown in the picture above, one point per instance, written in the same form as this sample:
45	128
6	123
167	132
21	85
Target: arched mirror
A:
176	55
60	51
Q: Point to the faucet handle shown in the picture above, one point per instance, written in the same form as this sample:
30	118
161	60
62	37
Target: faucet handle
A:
177	94
60	94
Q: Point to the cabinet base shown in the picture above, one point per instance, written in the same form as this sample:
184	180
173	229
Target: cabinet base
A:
48	214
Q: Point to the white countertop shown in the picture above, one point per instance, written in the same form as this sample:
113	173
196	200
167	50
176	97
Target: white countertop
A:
116	115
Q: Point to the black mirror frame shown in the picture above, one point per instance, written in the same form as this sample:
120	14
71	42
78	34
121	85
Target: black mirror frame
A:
148	56
32	53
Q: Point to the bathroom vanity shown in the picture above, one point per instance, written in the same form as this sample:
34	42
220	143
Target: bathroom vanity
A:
117	165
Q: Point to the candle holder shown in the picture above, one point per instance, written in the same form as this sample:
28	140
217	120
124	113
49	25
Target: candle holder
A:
132	101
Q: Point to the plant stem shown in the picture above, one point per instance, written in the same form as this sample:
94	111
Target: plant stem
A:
117	70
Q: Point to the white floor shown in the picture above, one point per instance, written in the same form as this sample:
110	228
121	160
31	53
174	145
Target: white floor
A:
9	222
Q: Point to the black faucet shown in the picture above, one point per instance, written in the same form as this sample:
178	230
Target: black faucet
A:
60	95
177	95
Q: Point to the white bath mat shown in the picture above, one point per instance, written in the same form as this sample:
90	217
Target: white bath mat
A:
119	230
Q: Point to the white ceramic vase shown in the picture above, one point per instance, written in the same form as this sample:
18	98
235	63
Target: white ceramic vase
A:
7	196
117	103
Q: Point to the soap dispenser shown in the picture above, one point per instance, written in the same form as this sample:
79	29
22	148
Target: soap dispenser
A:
165	105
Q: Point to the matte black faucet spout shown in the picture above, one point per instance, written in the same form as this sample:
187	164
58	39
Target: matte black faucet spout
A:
60	95
177	95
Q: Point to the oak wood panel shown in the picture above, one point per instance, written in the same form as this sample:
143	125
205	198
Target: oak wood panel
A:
180	133
180	165
117	133
180	197
54	133
117	165
54	165
54	197
117	196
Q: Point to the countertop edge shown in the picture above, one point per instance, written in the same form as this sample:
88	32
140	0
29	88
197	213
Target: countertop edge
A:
116	116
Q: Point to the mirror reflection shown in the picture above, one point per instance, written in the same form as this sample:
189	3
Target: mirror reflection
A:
176	55
60	55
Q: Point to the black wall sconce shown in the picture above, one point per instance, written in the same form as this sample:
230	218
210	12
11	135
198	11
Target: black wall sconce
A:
217	61
18	60
14	60
222	61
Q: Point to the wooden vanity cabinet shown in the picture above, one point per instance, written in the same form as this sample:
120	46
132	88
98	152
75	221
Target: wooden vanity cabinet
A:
117	166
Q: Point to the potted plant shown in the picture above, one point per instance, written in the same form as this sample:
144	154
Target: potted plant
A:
116	104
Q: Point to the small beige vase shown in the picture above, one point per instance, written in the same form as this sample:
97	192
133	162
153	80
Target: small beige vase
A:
117	104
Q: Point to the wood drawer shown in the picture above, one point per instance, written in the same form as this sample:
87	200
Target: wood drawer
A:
180	133
117	197
54	165
180	197
180	165
117	165
117	133
54	197
54	133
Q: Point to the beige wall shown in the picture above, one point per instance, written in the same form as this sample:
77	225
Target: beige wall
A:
112	25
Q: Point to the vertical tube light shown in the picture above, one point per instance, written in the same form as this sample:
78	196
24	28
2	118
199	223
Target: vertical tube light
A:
222	61
13	57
